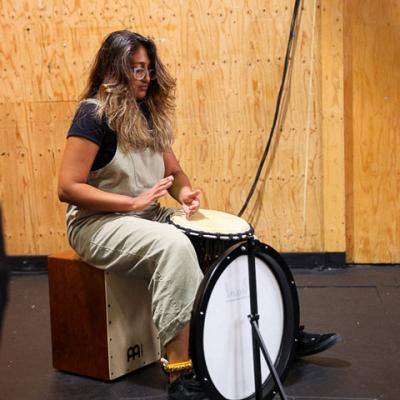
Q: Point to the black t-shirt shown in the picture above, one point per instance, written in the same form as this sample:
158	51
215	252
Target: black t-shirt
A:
86	124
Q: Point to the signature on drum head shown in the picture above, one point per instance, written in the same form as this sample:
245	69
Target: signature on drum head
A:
235	293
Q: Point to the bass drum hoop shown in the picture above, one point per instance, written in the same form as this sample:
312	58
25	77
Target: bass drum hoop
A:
291	315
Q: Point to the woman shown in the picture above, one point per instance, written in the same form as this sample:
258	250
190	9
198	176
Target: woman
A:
117	164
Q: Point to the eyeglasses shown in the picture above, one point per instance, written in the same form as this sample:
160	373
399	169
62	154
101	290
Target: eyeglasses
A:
140	73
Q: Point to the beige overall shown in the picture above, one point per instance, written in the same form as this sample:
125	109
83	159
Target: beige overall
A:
139	244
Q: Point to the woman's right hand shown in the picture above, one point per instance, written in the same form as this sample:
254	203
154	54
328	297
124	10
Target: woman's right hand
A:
159	190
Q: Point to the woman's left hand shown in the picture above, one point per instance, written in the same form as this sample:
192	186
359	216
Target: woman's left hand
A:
190	201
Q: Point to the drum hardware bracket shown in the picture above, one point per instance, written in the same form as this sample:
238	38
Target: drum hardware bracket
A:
258	342
253	317
271	366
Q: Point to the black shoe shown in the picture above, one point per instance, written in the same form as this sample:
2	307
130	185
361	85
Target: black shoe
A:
186	387
313	343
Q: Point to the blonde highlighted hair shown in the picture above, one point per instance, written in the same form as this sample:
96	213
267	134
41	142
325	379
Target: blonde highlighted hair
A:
109	88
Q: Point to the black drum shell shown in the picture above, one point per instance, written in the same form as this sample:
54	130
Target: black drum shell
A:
210	246
291	310
209	249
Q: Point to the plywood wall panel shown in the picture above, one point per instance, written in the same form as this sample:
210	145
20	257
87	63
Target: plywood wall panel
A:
372	130
241	129
46	119
332	108
31	151
227	58
16	179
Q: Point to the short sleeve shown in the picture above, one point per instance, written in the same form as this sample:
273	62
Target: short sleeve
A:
86	124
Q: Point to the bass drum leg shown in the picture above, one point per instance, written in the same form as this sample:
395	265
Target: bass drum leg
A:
221	334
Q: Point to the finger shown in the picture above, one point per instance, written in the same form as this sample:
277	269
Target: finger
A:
190	209
164	181
159	185
186	210
159	194
163	189
193	209
162	185
195	194
187	196
168	178
194	204
166	185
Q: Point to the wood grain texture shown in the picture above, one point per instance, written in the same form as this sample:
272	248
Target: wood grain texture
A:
32	141
332	106
228	59
372	44
78	316
232	127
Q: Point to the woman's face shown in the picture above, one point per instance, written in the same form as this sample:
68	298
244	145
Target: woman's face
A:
140	59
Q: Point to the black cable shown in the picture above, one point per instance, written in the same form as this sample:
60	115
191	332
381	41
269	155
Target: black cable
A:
277	107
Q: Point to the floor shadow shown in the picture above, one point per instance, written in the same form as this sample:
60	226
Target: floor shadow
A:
327	362
297	372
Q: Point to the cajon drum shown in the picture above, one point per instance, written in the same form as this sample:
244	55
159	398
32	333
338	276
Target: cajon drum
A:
101	323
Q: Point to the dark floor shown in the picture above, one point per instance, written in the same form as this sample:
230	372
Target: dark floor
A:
362	304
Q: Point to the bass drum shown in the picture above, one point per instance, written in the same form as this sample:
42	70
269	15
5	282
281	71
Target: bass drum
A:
221	335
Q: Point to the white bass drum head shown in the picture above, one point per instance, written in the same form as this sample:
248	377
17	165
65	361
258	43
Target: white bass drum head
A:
223	354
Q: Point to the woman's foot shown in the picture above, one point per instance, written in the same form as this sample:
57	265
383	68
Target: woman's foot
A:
313	343
186	386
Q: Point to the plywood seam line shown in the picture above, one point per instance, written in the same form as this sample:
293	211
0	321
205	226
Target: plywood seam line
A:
307	146
2	242
288	60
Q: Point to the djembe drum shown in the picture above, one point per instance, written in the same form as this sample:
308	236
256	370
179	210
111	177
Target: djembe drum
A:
211	233
221	338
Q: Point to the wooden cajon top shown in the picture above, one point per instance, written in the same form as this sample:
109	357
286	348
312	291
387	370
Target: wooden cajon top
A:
65	255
